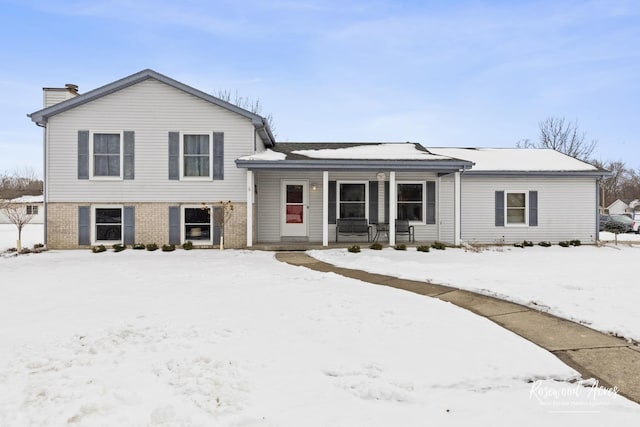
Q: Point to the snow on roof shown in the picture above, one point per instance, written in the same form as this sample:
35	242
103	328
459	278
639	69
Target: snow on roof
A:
29	199
267	154
384	151
515	159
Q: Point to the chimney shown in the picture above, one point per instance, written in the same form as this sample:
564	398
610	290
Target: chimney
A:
54	95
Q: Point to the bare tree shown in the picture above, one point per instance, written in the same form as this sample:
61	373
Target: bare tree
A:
564	136
17	214
222	213
20	183
248	104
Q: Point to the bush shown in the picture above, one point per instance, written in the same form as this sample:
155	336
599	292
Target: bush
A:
354	249
544	244
152	247
25	251
518	245
139	246
423	248
38	246
575	243
564	244
527	244
439	245
119	247
168	248
187	246
98	249
376	246
400	247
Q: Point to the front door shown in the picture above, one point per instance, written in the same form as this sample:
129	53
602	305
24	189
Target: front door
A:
294	209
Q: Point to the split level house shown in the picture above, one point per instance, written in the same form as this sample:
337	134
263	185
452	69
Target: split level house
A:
148	159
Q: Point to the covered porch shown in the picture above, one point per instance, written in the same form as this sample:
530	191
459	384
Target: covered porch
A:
305	195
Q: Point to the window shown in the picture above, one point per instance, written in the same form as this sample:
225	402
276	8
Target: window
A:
32	210
108	224
352	200
411	202
197	225
516	208
196	151
107	155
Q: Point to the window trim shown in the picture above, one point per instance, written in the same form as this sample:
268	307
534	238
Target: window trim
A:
181	156
526	208
92	175
424	201
183	224
93	224
366	196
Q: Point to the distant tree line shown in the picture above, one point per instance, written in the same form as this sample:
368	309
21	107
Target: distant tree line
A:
23	182
566	137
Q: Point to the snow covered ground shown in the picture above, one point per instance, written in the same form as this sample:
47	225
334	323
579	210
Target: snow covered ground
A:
31	234
596	286
235	338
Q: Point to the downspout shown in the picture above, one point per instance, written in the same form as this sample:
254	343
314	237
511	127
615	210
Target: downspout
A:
598	184
45	181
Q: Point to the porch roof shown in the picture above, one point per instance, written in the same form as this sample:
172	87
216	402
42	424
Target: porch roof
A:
352	156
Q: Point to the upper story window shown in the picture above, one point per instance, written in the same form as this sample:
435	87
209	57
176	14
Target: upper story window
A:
107	155
411	204
196	152
516	208
352	200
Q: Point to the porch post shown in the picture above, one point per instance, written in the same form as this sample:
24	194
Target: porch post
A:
457	209
325	208
249	208
392	208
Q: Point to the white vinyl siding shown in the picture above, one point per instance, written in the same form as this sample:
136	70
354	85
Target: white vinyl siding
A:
566	209
151	109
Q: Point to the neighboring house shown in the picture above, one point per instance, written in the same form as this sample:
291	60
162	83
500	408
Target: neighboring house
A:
33	205
146	158
620	207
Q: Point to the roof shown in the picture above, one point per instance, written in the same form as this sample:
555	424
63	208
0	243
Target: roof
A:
518	160
351	155
41	117
29	199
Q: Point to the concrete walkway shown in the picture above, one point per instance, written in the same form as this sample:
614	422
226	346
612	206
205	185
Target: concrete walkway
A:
613	361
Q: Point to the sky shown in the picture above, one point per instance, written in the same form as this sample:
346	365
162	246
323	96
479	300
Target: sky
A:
441	73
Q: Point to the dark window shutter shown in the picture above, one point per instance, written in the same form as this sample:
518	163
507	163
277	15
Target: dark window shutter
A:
431	202
373	201
499	208
218	155
216	213
129	225
83	154
84	225
129	155
332	202
174	155
174	225
386	201
533	208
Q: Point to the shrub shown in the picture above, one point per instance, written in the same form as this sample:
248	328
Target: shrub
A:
152	247
354	249
38	246
168	248
376	246
400	247
519	245
544	244
439	245
119	247
139	246
423	248
575	243
187	246
564	244
527	243
25	251
98	249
